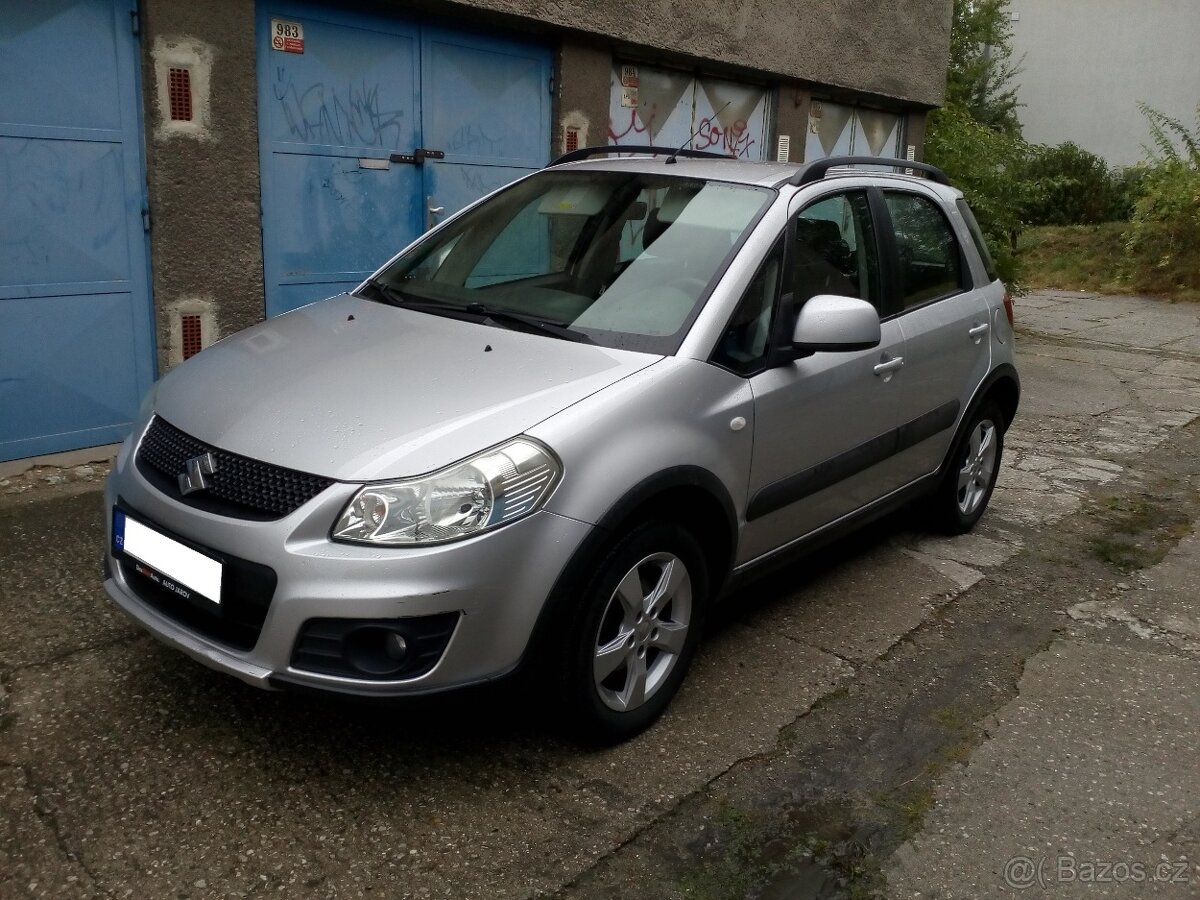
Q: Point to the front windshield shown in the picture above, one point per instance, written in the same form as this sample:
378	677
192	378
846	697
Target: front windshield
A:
618	259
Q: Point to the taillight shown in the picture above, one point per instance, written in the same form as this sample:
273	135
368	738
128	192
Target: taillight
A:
1008	309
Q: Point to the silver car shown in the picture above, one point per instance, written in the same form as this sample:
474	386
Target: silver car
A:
555	429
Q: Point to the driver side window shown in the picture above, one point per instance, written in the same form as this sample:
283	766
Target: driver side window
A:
835	250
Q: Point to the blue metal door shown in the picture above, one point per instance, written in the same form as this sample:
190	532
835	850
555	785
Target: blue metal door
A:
344	111
76	321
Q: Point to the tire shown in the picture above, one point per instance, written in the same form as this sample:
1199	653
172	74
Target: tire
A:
626	652
974	465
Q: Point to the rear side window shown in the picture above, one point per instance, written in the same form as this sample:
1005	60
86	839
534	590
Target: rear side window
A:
930	261
977	236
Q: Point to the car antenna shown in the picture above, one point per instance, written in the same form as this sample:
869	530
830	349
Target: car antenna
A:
691	137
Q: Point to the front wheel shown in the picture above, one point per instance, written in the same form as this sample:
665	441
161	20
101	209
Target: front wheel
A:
629	647
971	476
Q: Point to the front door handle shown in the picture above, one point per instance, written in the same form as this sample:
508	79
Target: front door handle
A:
978	332
888	366
432	212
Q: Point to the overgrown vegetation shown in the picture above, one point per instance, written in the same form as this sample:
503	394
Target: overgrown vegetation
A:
1164	237
1013	185
976	138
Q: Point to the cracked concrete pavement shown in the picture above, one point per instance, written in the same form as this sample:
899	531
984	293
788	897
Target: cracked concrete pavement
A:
127	770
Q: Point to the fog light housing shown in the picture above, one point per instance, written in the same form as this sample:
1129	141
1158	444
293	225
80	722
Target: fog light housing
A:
373	649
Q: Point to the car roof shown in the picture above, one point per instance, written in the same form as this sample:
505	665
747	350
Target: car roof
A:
743	171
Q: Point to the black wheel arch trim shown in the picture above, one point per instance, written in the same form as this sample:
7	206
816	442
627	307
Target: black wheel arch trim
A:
581	566
1002	372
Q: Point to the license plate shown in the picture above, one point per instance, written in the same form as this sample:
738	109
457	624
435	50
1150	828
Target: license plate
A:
166	561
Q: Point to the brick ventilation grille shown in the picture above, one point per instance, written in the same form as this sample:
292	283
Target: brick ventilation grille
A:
179	92
572	142
192	333
243	482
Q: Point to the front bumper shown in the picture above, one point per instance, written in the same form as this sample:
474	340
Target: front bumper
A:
497	583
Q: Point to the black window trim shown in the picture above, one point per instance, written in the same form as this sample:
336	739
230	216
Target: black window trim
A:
966	278
761	364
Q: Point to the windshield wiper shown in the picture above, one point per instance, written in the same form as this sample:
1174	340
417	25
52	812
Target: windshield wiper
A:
475	312
545	326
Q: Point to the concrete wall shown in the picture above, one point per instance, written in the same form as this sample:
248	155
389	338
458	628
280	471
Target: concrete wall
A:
205	239
892	49
1087	63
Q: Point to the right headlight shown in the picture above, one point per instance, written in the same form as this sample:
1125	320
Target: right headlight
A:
494	488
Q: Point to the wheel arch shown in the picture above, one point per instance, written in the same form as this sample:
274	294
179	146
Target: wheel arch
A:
689	496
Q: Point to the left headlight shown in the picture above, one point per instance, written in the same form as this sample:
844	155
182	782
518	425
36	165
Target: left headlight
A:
494	488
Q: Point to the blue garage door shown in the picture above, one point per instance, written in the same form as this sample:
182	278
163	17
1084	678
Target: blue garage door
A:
76	330
347	102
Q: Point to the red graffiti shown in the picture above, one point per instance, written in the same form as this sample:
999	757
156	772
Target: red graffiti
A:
634	126
734	140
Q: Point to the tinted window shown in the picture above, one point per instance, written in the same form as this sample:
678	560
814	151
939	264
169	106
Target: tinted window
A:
930	263
744	344
835	249
977	236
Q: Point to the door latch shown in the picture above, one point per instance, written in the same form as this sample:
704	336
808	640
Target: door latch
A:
418	156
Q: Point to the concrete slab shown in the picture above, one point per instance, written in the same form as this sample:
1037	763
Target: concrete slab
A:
861	608
51	592
1092	767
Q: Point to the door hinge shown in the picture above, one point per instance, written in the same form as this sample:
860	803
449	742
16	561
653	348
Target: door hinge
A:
135	22
145	218
417	157
551	85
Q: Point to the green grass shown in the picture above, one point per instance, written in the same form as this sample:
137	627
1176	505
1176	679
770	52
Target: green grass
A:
1092	258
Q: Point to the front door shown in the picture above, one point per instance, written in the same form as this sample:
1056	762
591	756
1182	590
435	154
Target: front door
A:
373	128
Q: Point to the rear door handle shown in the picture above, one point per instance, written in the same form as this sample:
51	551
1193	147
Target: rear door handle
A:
889	366
978	331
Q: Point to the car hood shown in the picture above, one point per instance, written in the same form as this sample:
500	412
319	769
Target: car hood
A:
355	390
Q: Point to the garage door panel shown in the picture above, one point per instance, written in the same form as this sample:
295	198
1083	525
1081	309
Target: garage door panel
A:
351	87
485	100
65	212
76	335
340	217
65	367
37	40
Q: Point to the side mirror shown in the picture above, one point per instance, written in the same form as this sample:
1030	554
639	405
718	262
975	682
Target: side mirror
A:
836	324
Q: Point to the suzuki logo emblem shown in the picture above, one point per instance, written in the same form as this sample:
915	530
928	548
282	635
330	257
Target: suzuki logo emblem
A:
194	479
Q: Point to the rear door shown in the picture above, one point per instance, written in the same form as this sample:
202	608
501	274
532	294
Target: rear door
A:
945	322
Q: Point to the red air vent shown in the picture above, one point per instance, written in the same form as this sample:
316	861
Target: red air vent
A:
571	142
191	333
179	91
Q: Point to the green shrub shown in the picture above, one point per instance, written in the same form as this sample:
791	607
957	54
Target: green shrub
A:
1071	186
1165	231
987	166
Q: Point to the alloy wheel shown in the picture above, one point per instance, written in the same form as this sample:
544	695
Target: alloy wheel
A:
642	632
978	467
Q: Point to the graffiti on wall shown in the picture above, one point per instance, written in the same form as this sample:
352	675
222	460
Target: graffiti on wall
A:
341	116
671	109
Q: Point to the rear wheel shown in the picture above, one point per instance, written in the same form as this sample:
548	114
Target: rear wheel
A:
639	621
971	477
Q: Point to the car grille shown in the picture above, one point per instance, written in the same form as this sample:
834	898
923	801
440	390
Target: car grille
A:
240	487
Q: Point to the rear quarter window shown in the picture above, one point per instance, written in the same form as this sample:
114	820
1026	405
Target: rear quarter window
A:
977	238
